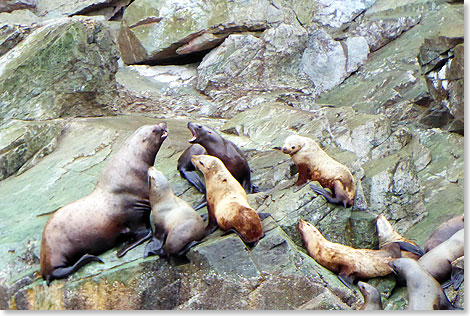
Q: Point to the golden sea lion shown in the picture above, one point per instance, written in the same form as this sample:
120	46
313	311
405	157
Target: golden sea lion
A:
349	263
227	203
117	210
314	164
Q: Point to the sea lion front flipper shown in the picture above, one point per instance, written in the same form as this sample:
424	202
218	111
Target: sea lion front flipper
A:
406	246
194	179
137	240
155	247
63	272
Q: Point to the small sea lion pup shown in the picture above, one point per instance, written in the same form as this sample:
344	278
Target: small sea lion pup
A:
314	164
349	263
388	235
424	292
444	231
217	146
177	224
117	210
227	204
437	261
372	299
187	169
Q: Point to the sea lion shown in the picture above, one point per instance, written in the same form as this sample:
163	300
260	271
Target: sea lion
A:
227	203
186	168
314	164
437	262
457	274
176	223
117	210
349	263
424	292
388	235
372	299
217	146
444	231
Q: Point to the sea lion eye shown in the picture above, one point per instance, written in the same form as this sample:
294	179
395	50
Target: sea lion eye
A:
293	147
202	164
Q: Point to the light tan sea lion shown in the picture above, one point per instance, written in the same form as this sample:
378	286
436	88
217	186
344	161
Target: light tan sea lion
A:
388	235
372	299
424	292
437	262
314	164
444	231
177	225
117	210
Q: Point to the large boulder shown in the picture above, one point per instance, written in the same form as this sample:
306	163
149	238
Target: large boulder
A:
60	8
73	62
12	5
155	31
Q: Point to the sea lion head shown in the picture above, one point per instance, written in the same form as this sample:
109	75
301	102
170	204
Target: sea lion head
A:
402	266
199	132
158	184
384	229
293	144
153	134
206	163
366	289
308	232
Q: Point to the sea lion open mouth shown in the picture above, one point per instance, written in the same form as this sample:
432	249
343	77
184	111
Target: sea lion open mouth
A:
164	134
193	132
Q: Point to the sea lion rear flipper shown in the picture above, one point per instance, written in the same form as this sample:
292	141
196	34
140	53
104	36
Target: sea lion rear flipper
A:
137	240
63	272
155	247
194	179
456	279
406	246
327	195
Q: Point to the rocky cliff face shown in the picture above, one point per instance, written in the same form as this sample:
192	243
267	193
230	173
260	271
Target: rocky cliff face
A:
378	84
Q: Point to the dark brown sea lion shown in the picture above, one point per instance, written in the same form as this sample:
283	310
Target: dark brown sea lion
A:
186	168
444	231
437	261
372	299
349	263
314	164
424	292
388	235
117	210
227	203
217	146
177	224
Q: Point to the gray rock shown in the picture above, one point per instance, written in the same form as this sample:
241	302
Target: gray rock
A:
12	5
153	31
10	35
60	8
57	54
